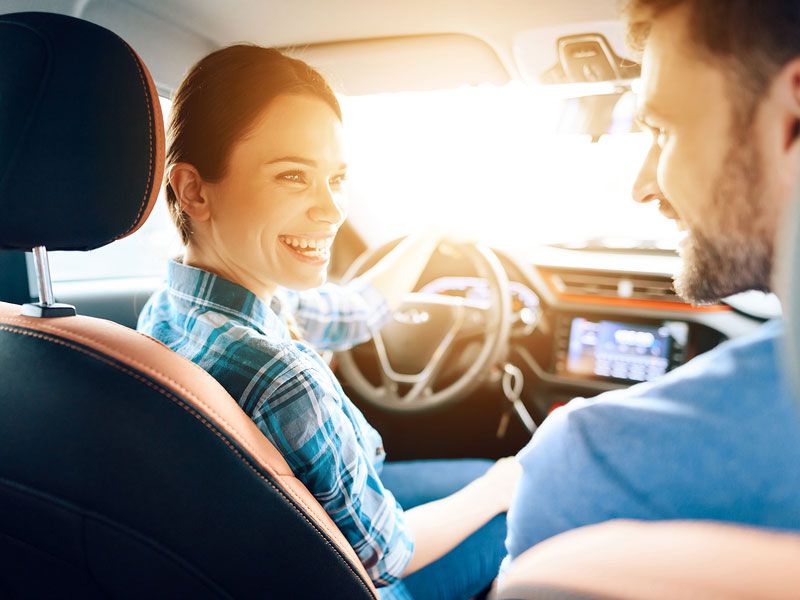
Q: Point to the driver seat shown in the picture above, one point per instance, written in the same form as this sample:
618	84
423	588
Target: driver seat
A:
125	470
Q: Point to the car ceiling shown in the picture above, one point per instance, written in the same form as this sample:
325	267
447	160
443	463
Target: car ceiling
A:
171	35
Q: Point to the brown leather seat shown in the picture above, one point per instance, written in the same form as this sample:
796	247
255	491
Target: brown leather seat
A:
125	470
628	560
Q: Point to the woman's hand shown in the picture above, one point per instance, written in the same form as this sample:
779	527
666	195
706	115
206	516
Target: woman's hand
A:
397	273
501	481
441	525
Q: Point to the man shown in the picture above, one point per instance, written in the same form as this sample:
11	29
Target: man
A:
718	438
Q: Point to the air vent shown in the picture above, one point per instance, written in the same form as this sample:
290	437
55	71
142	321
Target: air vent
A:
614	285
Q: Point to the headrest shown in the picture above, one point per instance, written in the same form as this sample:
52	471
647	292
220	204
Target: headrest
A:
81	134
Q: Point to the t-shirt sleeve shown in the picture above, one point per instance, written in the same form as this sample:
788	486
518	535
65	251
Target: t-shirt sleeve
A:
710	440
308	427
337	317
578	470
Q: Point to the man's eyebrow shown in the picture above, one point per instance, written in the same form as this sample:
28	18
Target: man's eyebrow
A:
299	159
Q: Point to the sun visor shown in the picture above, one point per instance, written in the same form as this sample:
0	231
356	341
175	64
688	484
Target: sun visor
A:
81	134
400	64
575	53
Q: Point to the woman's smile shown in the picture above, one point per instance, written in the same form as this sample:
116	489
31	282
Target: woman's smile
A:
309	248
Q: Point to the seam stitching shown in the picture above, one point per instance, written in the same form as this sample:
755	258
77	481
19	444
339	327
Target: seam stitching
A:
149	186
205	422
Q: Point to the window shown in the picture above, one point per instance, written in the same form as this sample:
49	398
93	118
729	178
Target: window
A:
500	164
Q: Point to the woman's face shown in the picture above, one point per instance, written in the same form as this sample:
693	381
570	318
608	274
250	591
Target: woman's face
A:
275	213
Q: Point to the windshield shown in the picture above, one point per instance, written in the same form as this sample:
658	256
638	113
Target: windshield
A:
494	164
491	163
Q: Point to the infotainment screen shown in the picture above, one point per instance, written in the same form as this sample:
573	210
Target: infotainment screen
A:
618	350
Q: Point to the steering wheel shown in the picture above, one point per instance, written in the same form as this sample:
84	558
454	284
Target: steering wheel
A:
413	348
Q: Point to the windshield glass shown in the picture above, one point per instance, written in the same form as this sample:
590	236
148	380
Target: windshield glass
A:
494	164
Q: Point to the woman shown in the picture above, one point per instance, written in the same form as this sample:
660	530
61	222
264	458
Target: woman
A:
255	176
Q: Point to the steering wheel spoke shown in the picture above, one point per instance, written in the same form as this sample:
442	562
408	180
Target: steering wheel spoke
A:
413	349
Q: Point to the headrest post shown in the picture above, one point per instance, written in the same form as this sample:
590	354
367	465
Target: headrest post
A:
43	276
47	307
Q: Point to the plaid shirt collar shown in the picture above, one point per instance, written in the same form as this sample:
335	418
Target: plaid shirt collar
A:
212	291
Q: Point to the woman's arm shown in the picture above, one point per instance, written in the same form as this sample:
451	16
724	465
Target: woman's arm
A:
440	526
397	273
336	317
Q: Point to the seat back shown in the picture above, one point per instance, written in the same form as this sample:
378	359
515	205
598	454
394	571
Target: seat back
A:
125	470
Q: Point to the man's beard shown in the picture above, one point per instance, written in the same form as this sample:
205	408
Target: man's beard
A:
731	251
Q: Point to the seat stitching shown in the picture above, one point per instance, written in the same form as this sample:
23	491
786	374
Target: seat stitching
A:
89	515
89	341
149	186
205	422
190	395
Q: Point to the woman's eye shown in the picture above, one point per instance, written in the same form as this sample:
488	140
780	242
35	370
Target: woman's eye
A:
293	177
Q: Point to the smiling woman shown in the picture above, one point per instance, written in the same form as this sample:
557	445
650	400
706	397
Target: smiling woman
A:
255	186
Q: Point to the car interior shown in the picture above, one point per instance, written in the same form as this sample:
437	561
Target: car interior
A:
128	471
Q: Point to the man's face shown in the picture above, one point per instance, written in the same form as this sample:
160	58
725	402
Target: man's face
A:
706	167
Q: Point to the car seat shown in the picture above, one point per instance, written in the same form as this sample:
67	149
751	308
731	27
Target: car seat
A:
125	470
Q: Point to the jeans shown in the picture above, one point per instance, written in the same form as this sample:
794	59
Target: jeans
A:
470	567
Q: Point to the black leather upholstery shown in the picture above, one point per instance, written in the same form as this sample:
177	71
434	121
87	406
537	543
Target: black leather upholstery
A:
78	140
107	486
113	482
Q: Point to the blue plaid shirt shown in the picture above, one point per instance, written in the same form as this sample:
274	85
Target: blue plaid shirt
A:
292	395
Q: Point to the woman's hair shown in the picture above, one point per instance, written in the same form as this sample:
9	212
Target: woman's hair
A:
220	99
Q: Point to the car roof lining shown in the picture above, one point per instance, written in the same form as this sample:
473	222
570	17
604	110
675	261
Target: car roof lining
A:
474	40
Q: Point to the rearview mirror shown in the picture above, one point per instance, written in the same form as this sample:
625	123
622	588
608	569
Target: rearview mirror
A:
598	115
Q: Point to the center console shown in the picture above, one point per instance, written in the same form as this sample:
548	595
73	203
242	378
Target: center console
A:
618	350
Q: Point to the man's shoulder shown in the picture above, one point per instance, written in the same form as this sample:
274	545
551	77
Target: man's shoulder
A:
744	372
731	402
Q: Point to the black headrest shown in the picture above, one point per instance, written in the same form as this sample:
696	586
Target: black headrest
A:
81	134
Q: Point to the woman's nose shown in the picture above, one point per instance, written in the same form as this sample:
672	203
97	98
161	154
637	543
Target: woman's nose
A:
328	207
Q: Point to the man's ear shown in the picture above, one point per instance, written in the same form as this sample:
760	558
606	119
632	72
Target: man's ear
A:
190	190
789	97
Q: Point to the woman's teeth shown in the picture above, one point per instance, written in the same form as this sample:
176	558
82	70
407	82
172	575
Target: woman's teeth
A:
309	247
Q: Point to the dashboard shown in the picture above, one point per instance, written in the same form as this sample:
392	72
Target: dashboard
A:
583	323
582	330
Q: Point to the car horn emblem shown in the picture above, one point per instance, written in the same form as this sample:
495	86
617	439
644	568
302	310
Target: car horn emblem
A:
412	316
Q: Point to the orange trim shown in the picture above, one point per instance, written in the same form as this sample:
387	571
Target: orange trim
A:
189	386
646	304
630	302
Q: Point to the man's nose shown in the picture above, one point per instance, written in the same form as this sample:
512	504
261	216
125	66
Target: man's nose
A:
646	189
328	207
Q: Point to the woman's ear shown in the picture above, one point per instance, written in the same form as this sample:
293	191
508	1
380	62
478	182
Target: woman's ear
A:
190	191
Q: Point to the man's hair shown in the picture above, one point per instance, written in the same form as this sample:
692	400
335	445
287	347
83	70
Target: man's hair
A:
755	39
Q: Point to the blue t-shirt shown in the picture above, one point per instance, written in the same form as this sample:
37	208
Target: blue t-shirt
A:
716	439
